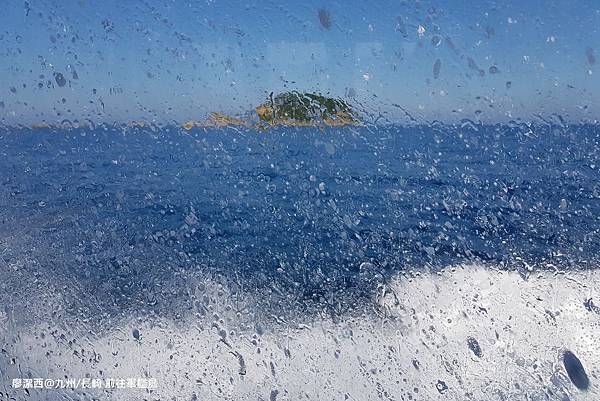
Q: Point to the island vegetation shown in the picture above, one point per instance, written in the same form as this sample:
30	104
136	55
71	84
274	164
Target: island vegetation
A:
305	109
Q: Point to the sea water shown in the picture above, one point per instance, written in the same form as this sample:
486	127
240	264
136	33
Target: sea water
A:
402	263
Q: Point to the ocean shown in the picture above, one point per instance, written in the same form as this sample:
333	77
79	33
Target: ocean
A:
352	263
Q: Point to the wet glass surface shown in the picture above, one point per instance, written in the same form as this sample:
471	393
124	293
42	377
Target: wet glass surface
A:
284	201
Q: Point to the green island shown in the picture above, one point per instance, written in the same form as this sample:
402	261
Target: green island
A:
295	108
288	109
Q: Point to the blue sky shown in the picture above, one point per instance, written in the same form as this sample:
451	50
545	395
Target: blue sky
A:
178	60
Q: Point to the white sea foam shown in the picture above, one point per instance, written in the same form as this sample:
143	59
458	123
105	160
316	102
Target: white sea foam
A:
413	346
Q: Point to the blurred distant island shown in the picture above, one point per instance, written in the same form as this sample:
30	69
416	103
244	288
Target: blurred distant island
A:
288	109
300	109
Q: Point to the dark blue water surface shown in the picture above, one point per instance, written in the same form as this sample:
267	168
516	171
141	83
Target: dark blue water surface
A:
298	215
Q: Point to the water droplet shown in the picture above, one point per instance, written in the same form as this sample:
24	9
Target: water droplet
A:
436	68
576	371
474	346
324	18
60	79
